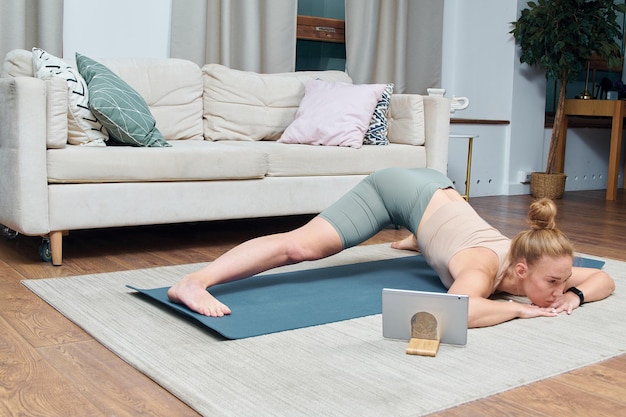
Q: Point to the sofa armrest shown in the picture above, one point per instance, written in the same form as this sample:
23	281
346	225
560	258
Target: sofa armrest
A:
437	130
23	171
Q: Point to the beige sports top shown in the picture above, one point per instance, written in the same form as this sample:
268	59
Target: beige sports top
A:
454	227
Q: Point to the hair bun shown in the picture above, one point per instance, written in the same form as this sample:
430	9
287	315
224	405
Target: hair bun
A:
542	214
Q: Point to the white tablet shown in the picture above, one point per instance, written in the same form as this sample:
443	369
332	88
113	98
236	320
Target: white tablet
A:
450	310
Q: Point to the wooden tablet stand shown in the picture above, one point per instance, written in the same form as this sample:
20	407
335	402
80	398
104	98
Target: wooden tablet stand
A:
424	335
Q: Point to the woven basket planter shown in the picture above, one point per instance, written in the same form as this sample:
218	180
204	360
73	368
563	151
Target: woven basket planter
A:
547	185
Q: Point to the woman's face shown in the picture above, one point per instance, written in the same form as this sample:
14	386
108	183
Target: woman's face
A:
546	280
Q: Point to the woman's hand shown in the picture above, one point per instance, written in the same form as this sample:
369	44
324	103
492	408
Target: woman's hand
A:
568	302
528	311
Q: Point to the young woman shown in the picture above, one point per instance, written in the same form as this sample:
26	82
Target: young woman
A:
469	255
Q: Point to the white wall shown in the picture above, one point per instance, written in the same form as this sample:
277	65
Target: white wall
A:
586	158
116	28
479	62
476	42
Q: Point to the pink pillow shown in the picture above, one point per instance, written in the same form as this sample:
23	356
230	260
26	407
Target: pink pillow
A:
335	114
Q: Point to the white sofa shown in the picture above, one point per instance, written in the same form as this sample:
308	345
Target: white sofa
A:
217	167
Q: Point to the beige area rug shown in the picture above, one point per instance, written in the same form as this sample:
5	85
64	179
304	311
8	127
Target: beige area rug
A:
338	369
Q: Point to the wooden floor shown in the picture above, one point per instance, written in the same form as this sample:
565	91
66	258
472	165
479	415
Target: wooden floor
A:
50	367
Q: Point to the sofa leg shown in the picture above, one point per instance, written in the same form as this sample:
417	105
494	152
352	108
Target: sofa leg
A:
56	246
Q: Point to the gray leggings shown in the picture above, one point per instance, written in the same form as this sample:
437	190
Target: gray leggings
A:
391	196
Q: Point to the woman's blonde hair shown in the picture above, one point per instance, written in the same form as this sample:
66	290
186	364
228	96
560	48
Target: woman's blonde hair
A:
543	237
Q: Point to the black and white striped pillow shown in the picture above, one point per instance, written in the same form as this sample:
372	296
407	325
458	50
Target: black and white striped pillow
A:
83	127
377	132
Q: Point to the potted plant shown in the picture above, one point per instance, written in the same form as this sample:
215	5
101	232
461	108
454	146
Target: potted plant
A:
560	36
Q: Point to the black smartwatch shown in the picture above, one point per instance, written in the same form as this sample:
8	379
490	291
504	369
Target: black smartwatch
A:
578	292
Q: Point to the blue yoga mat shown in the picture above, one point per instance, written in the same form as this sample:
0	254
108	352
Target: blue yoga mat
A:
291	300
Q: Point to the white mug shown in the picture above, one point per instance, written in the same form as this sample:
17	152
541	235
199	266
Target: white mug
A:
436	92
459	103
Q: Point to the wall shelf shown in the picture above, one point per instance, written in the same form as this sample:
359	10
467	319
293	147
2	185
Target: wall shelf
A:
322	29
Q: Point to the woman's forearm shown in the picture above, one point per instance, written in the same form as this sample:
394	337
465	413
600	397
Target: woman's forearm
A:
597	286
484	312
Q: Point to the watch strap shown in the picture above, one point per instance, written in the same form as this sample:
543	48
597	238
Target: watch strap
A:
578	292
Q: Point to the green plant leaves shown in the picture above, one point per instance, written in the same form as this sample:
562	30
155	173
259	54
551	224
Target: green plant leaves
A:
561	35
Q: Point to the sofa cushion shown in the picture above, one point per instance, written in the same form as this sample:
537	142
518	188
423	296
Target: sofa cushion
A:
57	103
122	111
83	127
18	63
377	131
333	114
406	119
172	89
287	160
242	105
186	160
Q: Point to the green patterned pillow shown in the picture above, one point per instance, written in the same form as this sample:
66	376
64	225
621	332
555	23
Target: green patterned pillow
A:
118	106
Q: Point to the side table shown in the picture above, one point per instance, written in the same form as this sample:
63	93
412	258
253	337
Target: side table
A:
616	110
470	143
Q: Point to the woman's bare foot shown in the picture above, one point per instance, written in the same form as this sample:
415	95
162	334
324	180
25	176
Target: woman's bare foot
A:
195	296
408	243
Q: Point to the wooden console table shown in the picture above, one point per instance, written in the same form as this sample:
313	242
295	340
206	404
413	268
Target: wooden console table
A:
616	109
